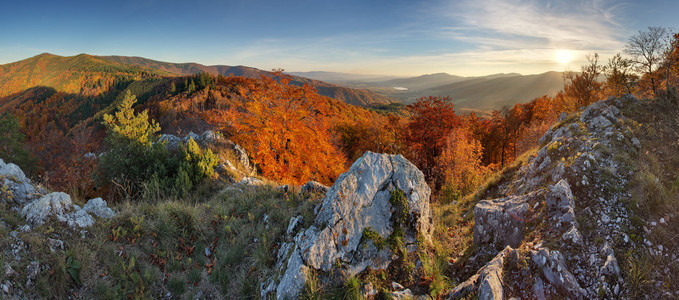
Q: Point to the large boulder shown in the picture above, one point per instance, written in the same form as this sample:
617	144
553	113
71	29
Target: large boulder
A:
59	205
379	193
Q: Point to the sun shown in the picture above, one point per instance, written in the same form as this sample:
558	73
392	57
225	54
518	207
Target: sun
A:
563	56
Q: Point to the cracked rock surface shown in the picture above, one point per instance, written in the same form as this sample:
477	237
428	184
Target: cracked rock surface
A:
359	200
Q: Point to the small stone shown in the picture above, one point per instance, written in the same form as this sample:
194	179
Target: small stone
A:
55	245
662	220
9	272
368	291
5	288
660	247
605	218
654	223
396	286
208	252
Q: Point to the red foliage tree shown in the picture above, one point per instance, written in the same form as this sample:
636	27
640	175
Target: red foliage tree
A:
432	121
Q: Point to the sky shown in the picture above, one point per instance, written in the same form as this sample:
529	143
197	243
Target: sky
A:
385	37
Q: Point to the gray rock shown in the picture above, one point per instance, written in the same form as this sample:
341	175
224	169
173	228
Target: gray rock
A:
13	172
251	181
560	196
191	135
14	179
358	200
55	245
488	280
395	286
573	236
404	294
592	111
32	271
283	188
539	289
368	291
610	266
210	136
9	272
243	158
171	141
77	217
56	204
293	279
500	222
295	222
555	271
599	123
97	207
313	188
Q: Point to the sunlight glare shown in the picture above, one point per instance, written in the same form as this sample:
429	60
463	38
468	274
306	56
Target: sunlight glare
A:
564	56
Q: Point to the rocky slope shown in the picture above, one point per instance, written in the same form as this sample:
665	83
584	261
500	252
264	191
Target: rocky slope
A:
563	222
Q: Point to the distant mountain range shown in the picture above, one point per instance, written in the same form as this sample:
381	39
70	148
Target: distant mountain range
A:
468	93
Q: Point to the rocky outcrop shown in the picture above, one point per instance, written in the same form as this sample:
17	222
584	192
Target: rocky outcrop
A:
225	165
379	196
37	208
579	175
18	186
58	205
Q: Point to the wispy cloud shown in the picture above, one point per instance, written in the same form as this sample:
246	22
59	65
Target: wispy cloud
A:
580	25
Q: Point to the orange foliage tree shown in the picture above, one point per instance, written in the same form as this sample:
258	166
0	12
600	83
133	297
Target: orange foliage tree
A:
461	165
283	127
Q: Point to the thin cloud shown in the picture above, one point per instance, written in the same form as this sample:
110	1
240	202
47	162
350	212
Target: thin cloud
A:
586	25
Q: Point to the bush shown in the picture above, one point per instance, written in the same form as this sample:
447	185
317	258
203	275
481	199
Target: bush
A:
139	168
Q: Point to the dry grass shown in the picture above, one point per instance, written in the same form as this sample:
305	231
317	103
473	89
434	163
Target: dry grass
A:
655	196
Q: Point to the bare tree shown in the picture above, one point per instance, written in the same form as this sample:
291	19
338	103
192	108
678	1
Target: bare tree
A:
647	49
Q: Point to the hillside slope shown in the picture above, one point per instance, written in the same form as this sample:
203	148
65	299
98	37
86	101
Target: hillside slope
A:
494	93
80	74
352	96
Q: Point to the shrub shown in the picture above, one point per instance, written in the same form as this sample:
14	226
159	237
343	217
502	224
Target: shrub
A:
139	168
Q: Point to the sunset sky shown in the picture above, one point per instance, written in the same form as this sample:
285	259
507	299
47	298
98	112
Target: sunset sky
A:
394	37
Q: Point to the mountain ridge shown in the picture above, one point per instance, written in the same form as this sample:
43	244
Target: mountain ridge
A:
354	96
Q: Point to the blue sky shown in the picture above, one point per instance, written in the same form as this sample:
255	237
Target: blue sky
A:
462	37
